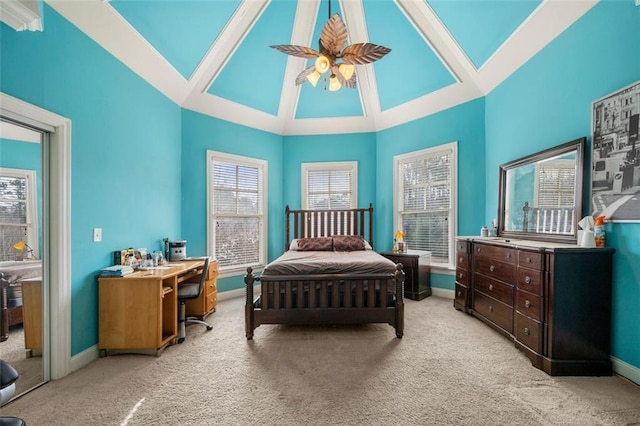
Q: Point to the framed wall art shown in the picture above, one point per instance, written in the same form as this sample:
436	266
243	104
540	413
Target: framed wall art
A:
615	155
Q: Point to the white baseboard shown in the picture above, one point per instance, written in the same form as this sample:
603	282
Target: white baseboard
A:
443	292
239	292
85	357
626	370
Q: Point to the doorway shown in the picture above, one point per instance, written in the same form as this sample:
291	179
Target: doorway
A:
23	252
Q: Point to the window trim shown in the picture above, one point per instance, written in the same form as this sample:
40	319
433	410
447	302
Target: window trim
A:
243	161
452	148
351	166
32	211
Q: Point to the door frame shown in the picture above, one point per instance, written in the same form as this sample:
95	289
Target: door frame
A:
58	340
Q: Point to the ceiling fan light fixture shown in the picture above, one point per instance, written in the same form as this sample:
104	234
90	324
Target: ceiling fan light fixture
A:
313	78
322	64
334	83
347	70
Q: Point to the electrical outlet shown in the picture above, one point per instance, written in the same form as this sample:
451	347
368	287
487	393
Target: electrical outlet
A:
97	235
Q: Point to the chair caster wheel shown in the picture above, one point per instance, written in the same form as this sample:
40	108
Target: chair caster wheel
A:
181	339
209	327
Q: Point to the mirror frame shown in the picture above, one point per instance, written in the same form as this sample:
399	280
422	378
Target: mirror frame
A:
579	145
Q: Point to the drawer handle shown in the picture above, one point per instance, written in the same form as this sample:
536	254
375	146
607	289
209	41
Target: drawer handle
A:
478	249
508	255
460	275
492	268
490	287
527	304
459	293
460	260
528	260
527	279
527	331
490	308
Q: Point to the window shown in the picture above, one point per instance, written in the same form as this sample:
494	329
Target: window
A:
425	202
237	190
555	183
18	220
329	186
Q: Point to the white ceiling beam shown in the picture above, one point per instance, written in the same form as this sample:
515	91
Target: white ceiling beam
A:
221	50
21	15
548	21
98	20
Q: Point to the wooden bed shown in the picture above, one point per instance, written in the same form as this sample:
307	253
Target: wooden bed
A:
327	294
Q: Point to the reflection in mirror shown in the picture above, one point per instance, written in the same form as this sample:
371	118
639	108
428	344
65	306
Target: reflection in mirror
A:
21	254
541	194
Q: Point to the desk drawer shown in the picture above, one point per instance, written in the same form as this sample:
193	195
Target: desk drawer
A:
493	310
212	301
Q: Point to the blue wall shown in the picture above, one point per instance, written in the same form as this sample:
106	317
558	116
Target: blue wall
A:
548	102
201	133
26	156
126	148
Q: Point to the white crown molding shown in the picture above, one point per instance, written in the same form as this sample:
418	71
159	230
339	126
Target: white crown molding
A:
21	15
547	22
100	21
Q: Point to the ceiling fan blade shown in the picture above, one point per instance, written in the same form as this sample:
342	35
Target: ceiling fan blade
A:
363	53
302	77
350	84
295	50
334	35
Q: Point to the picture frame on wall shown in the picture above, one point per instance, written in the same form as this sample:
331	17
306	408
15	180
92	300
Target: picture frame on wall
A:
615	155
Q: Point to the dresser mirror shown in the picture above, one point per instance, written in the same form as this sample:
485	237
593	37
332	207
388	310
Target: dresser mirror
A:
540	196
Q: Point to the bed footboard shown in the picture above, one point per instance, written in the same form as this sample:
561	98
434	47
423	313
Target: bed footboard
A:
325	299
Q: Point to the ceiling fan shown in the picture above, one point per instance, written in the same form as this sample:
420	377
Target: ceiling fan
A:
331	57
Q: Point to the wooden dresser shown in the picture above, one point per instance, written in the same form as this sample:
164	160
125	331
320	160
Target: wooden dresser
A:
553	300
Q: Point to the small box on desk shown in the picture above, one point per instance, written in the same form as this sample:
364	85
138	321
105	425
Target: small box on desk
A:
120	256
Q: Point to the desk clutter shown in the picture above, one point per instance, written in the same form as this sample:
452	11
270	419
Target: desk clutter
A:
138	311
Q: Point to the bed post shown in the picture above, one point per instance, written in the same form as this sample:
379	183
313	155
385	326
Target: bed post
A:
371	224
399	301
248	307
287	240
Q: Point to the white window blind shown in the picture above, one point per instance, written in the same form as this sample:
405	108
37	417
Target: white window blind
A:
425	185
556	184
329	186
237	194
17	211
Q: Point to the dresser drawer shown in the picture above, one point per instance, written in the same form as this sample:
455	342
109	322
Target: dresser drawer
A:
529	304
493	310
497	270
530	259
462	260
503	254
462	277
460	300
529	333
462	246
530	280
496	289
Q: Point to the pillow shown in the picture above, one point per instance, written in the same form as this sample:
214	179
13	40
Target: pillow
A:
315	244
348	242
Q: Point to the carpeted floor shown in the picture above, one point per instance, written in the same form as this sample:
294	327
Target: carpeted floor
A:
449	369
13	352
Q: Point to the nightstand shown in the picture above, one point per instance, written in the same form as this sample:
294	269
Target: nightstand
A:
417	280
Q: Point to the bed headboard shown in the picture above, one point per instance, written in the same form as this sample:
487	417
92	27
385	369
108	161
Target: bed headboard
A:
325	223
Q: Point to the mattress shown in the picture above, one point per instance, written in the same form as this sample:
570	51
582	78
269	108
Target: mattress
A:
330	262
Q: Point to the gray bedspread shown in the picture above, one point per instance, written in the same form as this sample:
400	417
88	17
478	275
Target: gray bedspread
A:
16	271
330	262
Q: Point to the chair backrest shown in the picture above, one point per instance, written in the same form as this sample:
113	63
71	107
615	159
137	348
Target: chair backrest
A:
188	287
205	274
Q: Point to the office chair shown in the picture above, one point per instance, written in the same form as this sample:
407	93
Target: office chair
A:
187	291
8	377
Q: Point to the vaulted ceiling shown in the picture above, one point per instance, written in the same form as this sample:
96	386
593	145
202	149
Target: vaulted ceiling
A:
213	56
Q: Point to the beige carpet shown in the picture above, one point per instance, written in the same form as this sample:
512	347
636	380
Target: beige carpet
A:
449	369
29	368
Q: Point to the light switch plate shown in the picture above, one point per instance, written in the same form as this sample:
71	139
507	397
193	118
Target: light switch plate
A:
97	235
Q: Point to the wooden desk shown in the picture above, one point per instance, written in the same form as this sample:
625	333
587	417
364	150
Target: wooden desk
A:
139	312
32	316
